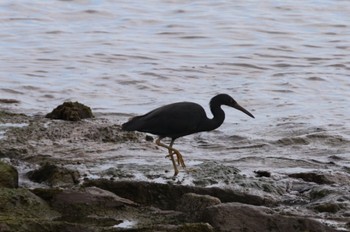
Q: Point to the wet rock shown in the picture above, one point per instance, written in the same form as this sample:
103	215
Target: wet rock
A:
241	217
195	227
81	203
103	209
325	199
323	178
193	204
54	175
312	177
70	111
8	176
209	173
261	173
319	192
347	225
111	134
187	227
26	225
329	207
117	173
167	196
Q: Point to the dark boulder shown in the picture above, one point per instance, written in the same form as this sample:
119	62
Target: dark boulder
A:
71	111
54	175
229	217
167	196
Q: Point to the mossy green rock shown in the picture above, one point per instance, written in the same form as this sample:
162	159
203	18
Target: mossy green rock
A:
22	203
8	176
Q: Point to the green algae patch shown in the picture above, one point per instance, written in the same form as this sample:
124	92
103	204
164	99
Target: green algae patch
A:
5	114
8	176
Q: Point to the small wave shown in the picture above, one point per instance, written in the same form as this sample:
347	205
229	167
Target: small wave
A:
315	79
325	139
242	65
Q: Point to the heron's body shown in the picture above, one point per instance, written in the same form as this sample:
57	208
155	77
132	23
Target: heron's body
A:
181	119
173	120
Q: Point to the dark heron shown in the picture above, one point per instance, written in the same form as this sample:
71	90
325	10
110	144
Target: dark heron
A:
180	119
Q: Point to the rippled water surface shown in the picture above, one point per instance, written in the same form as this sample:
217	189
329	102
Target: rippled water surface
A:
285	61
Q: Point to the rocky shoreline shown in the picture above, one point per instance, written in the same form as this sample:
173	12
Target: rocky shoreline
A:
51	180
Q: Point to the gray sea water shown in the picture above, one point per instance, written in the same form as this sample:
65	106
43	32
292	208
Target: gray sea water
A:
285	61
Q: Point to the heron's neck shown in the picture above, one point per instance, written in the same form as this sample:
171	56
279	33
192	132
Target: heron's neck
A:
217	120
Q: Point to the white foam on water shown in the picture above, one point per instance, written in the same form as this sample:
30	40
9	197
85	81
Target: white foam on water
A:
126	224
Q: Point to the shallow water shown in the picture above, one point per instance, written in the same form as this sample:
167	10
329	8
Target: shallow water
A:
286	62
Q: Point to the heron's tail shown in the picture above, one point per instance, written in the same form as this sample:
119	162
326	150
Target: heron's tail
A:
127	126
131	125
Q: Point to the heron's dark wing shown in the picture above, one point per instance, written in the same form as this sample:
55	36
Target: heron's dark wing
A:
174	120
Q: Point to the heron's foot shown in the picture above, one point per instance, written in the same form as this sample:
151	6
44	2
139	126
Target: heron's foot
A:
176	171
179	158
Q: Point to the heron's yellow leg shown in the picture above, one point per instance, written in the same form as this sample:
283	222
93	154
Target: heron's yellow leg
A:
176	171
174	151
180	160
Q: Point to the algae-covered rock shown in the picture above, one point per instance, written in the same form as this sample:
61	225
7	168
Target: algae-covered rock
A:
8	176
71	111
54	175
329	207
191	202
22	203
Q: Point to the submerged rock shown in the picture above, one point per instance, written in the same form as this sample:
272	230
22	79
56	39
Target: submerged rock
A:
71	111
8	176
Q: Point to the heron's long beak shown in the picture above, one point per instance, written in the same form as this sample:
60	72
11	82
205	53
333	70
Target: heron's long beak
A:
238	107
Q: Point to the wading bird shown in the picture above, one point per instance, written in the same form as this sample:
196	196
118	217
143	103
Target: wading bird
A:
179	119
